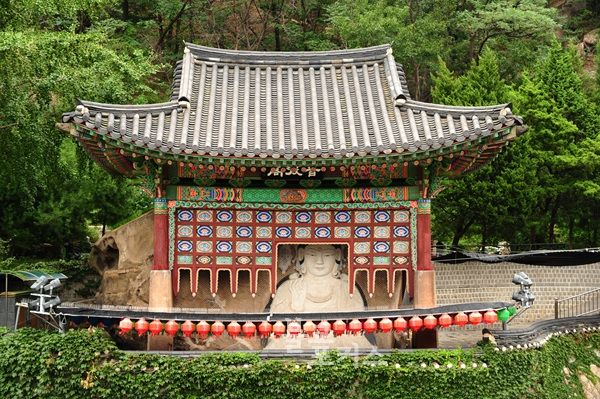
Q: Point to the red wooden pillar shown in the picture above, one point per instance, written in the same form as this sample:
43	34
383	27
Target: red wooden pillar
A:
160	295
160	291
425	273
424	235
161	235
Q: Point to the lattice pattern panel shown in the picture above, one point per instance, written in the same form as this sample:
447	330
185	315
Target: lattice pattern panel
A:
234	240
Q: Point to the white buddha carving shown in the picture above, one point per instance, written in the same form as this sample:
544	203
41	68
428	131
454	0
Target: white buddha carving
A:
318	285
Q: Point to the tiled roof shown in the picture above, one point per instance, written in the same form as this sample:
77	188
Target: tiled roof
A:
342	103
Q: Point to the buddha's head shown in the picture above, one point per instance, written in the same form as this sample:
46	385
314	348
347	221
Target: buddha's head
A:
319	260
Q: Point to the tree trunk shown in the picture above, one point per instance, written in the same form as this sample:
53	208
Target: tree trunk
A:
169	28
125	9
484	234
571	225
553	220
462	228
417	78
276	30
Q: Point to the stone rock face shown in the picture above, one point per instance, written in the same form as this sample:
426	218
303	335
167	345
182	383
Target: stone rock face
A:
591	389
591	38
587	49
123	257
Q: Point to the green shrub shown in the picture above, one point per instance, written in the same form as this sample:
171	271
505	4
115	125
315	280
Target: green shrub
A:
85	363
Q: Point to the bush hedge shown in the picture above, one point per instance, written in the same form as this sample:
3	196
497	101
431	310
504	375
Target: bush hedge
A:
87	364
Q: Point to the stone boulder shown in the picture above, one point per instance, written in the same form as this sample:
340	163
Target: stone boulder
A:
587	50
123	257
591	38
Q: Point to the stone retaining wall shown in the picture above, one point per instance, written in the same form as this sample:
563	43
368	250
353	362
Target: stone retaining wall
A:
477	281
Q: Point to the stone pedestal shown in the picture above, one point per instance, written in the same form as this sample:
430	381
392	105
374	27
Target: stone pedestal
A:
425	298
160	294
160	298
425	289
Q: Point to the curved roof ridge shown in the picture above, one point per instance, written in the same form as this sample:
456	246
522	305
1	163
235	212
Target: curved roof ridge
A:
126	108
211	54
441	108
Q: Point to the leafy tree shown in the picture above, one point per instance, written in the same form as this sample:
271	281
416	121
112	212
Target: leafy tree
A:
542	188
422	31
489	201
42	73
64	15
504	23
561	117
416	30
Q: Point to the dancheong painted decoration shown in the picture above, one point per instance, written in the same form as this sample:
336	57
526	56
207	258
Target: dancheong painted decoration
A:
279	164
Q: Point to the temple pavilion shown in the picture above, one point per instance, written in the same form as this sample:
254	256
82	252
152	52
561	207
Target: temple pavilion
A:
258	150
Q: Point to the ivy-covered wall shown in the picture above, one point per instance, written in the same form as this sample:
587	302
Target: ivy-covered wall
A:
86	364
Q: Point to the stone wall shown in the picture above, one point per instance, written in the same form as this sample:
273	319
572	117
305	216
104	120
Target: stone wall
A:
477	281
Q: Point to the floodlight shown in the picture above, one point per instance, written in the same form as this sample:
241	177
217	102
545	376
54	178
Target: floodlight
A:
522	279
524	295
526	298
34	304
39	283
51	303
52	285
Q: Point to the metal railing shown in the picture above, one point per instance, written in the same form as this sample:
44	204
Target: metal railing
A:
586	303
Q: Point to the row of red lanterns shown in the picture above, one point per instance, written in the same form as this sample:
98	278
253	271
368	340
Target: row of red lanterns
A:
294	328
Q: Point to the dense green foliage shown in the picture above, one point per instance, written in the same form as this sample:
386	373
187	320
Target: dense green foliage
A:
542	189
545	188
50	192
86	364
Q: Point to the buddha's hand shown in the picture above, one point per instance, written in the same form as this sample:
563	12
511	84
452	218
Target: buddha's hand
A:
298	294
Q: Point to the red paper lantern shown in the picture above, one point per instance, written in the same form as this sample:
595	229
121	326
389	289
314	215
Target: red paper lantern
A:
415	323
400	324
234	329
141	326
203	329
355	326
248	329
324	327
461	319
188	328
430	322
264	329
445	320
386	325
155	327
125	326
294	328
309	328
370	326
279	329
171	328
339	327
475	318
490	317
217	328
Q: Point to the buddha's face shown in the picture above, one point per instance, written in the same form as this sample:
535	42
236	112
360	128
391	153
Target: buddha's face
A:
320	260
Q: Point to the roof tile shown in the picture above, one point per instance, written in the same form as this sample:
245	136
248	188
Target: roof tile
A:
291	104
